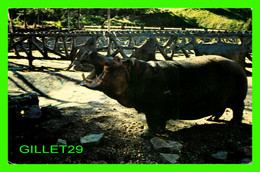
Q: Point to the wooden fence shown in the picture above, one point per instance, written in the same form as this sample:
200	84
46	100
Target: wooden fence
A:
59	45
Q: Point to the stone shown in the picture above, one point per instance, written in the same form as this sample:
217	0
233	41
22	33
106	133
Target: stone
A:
31	112
61	142
23	99
245	151
246	161
166	146
221	155
51	112
99	162
91	139
23	106
14	68
169	158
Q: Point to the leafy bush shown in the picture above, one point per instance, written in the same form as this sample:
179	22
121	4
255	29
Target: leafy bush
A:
119	21
215	18
92	20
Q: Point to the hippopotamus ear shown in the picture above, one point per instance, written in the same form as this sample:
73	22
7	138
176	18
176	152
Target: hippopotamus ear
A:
117	61
113	62
92	41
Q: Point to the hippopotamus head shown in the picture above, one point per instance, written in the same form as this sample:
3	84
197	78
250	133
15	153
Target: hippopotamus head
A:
110	75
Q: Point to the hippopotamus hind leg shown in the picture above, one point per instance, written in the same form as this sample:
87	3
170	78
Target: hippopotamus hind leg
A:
215	117
237	108
155	123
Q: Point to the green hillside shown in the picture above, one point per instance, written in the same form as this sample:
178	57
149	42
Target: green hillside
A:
210	18
227	19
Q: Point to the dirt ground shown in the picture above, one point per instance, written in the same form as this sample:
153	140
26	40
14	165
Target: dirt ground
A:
85	111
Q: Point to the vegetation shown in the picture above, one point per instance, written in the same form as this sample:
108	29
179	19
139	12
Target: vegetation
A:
217	18
228	19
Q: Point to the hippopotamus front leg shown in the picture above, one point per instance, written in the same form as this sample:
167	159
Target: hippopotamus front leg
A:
155	123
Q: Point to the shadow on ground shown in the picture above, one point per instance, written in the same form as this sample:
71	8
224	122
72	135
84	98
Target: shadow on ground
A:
122	141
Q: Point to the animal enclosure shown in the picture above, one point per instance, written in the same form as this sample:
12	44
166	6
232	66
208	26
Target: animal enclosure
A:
59	45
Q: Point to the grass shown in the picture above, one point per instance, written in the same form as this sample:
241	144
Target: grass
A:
214	19
208	18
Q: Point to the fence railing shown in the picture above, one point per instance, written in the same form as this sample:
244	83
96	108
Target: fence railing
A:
166	42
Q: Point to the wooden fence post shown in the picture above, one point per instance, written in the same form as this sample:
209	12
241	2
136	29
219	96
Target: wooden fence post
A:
45	50
30	57
108	20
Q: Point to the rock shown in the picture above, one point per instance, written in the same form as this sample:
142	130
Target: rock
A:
23	106
61	142
245	151
221	156
166	145
99	162
91	139
246	161
14	68
31	112
51	112
21	100
169	158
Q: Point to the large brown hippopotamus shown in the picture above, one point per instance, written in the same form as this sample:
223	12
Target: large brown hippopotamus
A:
185	89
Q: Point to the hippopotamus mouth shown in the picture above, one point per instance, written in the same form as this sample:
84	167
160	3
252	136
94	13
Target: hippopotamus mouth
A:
94	79
100	64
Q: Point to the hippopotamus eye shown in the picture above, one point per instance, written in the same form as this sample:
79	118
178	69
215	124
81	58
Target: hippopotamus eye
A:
107	64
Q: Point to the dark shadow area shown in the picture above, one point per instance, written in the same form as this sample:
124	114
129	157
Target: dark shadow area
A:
201	141
167	19
29	84
34	68
23	79
248	73
69	79
71	127
122	145
18	85
39	91
233	13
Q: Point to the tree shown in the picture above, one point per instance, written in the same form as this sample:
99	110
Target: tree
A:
10	23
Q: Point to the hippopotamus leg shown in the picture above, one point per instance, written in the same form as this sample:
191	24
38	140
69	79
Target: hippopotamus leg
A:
237	108
155	123
217	115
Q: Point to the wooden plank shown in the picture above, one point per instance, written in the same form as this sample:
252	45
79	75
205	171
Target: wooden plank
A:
16	52
55	52
55	42
118	46
249	56
168	43
174	36
114	53
65	46
24	49
45	50
18	42
161	50
185	52
174	46
141	33
73	43
37	47
30	57
109	46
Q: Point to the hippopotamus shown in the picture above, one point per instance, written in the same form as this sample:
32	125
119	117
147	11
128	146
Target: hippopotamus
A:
183	89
